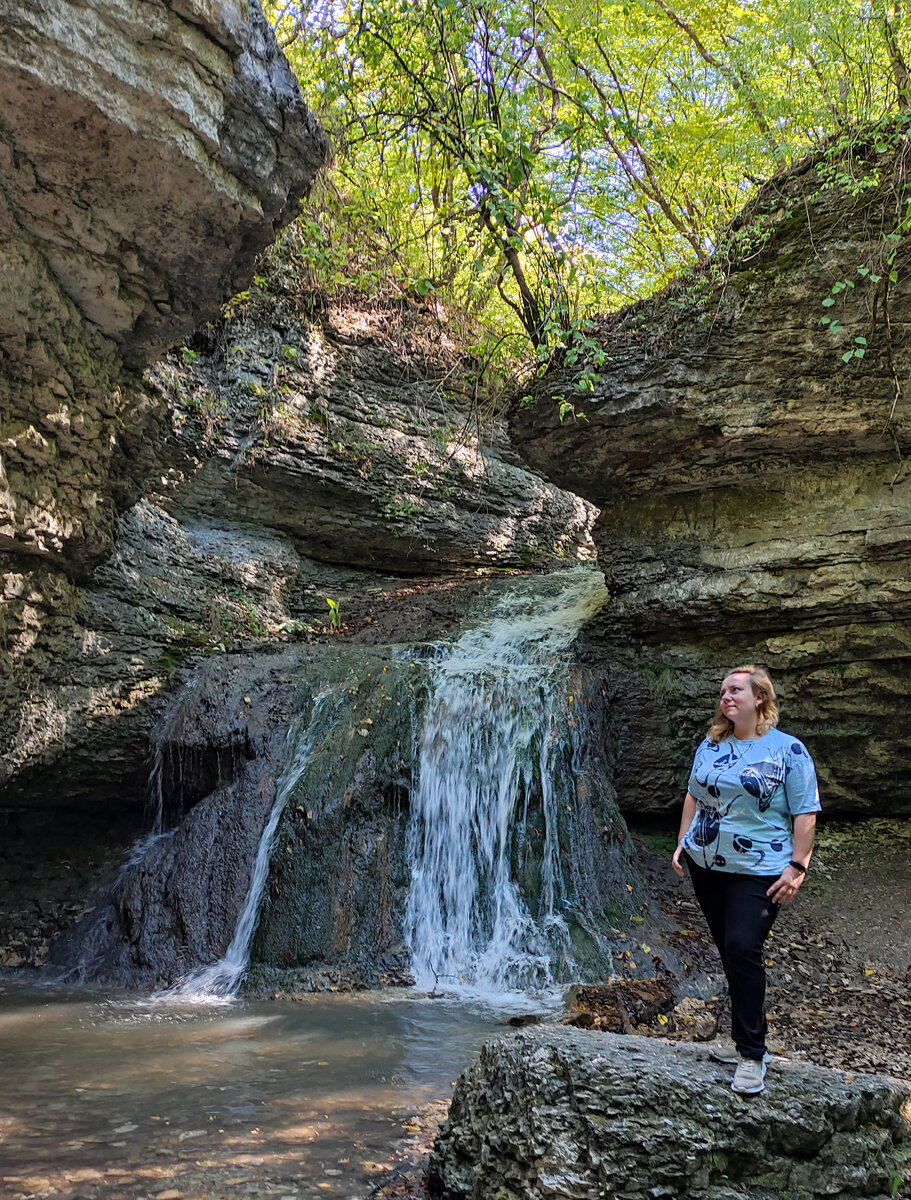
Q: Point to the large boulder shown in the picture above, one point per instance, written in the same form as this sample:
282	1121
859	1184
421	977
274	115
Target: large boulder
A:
755	500
561	1113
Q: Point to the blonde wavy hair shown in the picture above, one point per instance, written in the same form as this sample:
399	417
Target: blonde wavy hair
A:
767	714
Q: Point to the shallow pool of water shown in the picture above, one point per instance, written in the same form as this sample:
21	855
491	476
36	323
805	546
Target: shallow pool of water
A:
103	1098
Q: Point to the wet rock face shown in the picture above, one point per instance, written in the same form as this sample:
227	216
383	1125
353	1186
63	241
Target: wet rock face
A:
175	905
148	151
567	1113
753	504
330	733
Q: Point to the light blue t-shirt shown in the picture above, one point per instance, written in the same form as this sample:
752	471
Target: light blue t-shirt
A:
747	792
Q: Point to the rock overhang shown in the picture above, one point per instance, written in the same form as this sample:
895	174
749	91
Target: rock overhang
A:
151	151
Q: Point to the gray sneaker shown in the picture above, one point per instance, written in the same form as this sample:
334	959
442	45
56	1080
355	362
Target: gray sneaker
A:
749	1078
730	1056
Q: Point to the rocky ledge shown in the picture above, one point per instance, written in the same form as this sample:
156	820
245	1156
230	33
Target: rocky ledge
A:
357	450
746	437
568	1113
296	464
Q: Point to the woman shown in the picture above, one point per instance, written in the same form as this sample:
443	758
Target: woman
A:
749	819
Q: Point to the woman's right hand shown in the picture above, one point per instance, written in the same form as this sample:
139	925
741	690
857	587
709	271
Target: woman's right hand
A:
675	861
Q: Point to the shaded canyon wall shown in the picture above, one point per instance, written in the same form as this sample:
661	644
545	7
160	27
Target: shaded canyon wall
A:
756	502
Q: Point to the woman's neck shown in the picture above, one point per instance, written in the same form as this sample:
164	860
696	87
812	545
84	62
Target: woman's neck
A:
747	733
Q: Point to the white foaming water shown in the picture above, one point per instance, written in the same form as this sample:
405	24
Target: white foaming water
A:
219	982
494	734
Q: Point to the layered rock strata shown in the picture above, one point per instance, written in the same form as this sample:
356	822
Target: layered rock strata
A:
756	504
569	1113
295	465
359	451
148	152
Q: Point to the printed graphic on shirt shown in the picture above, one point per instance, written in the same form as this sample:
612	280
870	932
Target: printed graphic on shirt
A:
747	793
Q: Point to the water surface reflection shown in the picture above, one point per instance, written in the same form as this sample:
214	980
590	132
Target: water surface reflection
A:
112	1098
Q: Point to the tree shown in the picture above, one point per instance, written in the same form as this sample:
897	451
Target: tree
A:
532	162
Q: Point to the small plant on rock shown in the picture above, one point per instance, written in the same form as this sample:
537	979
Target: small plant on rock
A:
335	616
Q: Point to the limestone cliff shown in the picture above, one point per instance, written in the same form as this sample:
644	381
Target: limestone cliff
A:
148	152
296	462
756	505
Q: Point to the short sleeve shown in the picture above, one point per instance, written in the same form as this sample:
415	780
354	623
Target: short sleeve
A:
694	787
800	786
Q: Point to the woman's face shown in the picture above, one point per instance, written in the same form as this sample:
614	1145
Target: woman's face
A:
738	702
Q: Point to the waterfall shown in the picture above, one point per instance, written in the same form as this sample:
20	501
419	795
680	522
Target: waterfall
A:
497	723
221	980
162	740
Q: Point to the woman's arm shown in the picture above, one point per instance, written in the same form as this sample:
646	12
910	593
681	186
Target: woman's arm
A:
804	837
788	884
686	819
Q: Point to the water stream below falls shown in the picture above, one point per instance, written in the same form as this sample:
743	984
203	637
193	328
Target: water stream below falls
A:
122	1099
443	808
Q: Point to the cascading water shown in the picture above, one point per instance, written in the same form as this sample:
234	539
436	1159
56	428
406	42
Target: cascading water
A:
497	723
438	811
221	980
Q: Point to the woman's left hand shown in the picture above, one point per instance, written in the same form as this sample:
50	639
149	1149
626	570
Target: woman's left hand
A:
786	886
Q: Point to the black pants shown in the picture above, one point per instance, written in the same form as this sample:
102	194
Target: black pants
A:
739	915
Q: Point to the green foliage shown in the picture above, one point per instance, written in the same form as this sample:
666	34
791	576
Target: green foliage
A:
335	615
395	508
530	164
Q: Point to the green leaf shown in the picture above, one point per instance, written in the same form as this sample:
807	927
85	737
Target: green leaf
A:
859	353
828	302
863	270
861	341
825	320
893	276
847	356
